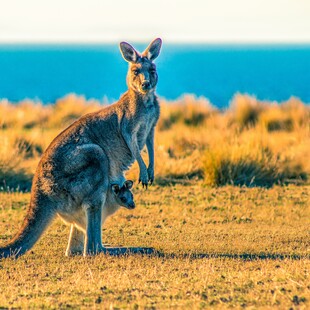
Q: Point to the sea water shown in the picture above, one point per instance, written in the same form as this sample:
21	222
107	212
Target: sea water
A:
217	72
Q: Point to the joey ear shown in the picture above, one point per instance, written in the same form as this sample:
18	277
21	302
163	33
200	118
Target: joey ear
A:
115	188
128	52
128	184
153	50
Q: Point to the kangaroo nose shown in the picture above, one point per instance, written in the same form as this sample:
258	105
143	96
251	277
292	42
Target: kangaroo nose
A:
146	85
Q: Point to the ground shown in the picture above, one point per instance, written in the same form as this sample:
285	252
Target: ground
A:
219	247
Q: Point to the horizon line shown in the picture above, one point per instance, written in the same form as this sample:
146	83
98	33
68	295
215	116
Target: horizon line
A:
168	42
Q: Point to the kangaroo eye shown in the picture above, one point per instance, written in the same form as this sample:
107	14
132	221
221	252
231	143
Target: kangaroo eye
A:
135	72
123	199
152	71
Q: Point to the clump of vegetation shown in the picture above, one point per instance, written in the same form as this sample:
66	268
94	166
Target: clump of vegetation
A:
188	110
240	165
245	110
13	176
29	115
28	148
68	109
24	115
288	116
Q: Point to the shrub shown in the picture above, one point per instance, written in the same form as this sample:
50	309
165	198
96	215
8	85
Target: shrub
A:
68	109
28	148
188	110
298	112
12	175
245	110
25	114
241	165
273	119
286	116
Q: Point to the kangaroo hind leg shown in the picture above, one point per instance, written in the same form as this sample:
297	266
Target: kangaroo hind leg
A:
93	210
87	183
76	242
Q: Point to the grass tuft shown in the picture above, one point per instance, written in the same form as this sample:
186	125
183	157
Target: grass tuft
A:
288	116
242	166
13	176
187	110
245	110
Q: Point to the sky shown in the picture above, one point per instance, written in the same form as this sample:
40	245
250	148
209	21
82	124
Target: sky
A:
200	21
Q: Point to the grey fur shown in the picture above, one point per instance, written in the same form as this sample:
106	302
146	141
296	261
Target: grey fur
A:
73	176
122	197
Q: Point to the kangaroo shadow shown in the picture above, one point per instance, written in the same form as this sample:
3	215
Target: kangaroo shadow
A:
152	252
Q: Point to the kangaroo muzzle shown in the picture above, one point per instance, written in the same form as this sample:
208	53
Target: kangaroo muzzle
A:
146	85
131	206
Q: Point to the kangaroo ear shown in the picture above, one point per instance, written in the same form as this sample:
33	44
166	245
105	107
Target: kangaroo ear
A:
153	49
128	52
115	188
128	184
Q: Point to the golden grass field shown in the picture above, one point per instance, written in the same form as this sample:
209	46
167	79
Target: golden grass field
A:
229	212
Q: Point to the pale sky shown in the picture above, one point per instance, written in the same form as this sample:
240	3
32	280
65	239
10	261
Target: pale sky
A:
98	21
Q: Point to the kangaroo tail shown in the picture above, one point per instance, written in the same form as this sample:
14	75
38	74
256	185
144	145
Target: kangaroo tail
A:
38	218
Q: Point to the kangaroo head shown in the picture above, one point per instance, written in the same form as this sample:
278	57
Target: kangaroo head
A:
142	76
123	195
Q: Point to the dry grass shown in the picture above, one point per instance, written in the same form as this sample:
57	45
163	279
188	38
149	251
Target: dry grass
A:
184	111
251	143
221	247
13	174
26	114
241	165
29	114
247	111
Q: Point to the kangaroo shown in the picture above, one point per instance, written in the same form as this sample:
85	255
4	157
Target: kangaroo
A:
75	171
117	196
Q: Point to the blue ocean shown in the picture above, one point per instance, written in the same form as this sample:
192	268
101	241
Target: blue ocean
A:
48	72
